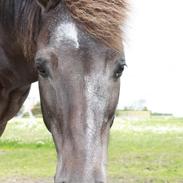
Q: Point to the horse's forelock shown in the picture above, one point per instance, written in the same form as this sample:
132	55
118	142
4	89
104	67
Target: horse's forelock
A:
103	19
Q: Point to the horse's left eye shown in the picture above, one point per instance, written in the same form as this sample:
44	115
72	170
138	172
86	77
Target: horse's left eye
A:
119	70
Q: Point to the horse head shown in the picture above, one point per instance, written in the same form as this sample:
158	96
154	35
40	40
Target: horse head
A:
79	81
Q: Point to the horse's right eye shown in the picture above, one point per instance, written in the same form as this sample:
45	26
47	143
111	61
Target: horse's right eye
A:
42	71
42	68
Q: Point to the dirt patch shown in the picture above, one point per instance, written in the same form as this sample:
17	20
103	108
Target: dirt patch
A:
25	180
3	152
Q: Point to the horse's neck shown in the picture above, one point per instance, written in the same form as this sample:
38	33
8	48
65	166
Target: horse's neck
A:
15	75
15	69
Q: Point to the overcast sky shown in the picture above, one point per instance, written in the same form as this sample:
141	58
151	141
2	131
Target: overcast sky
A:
154	54
154	39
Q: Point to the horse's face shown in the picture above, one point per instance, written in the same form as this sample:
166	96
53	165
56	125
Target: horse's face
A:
79	88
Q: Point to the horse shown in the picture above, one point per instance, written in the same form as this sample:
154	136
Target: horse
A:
74	49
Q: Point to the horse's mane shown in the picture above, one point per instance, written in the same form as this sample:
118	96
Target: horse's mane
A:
103	19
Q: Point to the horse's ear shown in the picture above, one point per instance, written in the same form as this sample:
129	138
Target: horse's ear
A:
43	3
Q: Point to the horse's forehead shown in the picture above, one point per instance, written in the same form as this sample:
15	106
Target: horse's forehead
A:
66	31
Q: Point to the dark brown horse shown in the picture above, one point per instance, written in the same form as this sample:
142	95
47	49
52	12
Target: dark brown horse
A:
74	49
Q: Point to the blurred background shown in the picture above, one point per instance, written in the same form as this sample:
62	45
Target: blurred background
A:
154	56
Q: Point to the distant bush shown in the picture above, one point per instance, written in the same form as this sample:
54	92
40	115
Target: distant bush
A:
161	114
118	112
37	110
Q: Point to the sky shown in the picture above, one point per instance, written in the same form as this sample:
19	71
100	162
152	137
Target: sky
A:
154	55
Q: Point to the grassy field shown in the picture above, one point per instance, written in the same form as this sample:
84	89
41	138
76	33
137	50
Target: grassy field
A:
140	152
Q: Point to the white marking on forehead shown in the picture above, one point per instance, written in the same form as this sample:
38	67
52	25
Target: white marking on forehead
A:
67	31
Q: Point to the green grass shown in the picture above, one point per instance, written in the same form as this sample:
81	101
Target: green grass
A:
146	151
